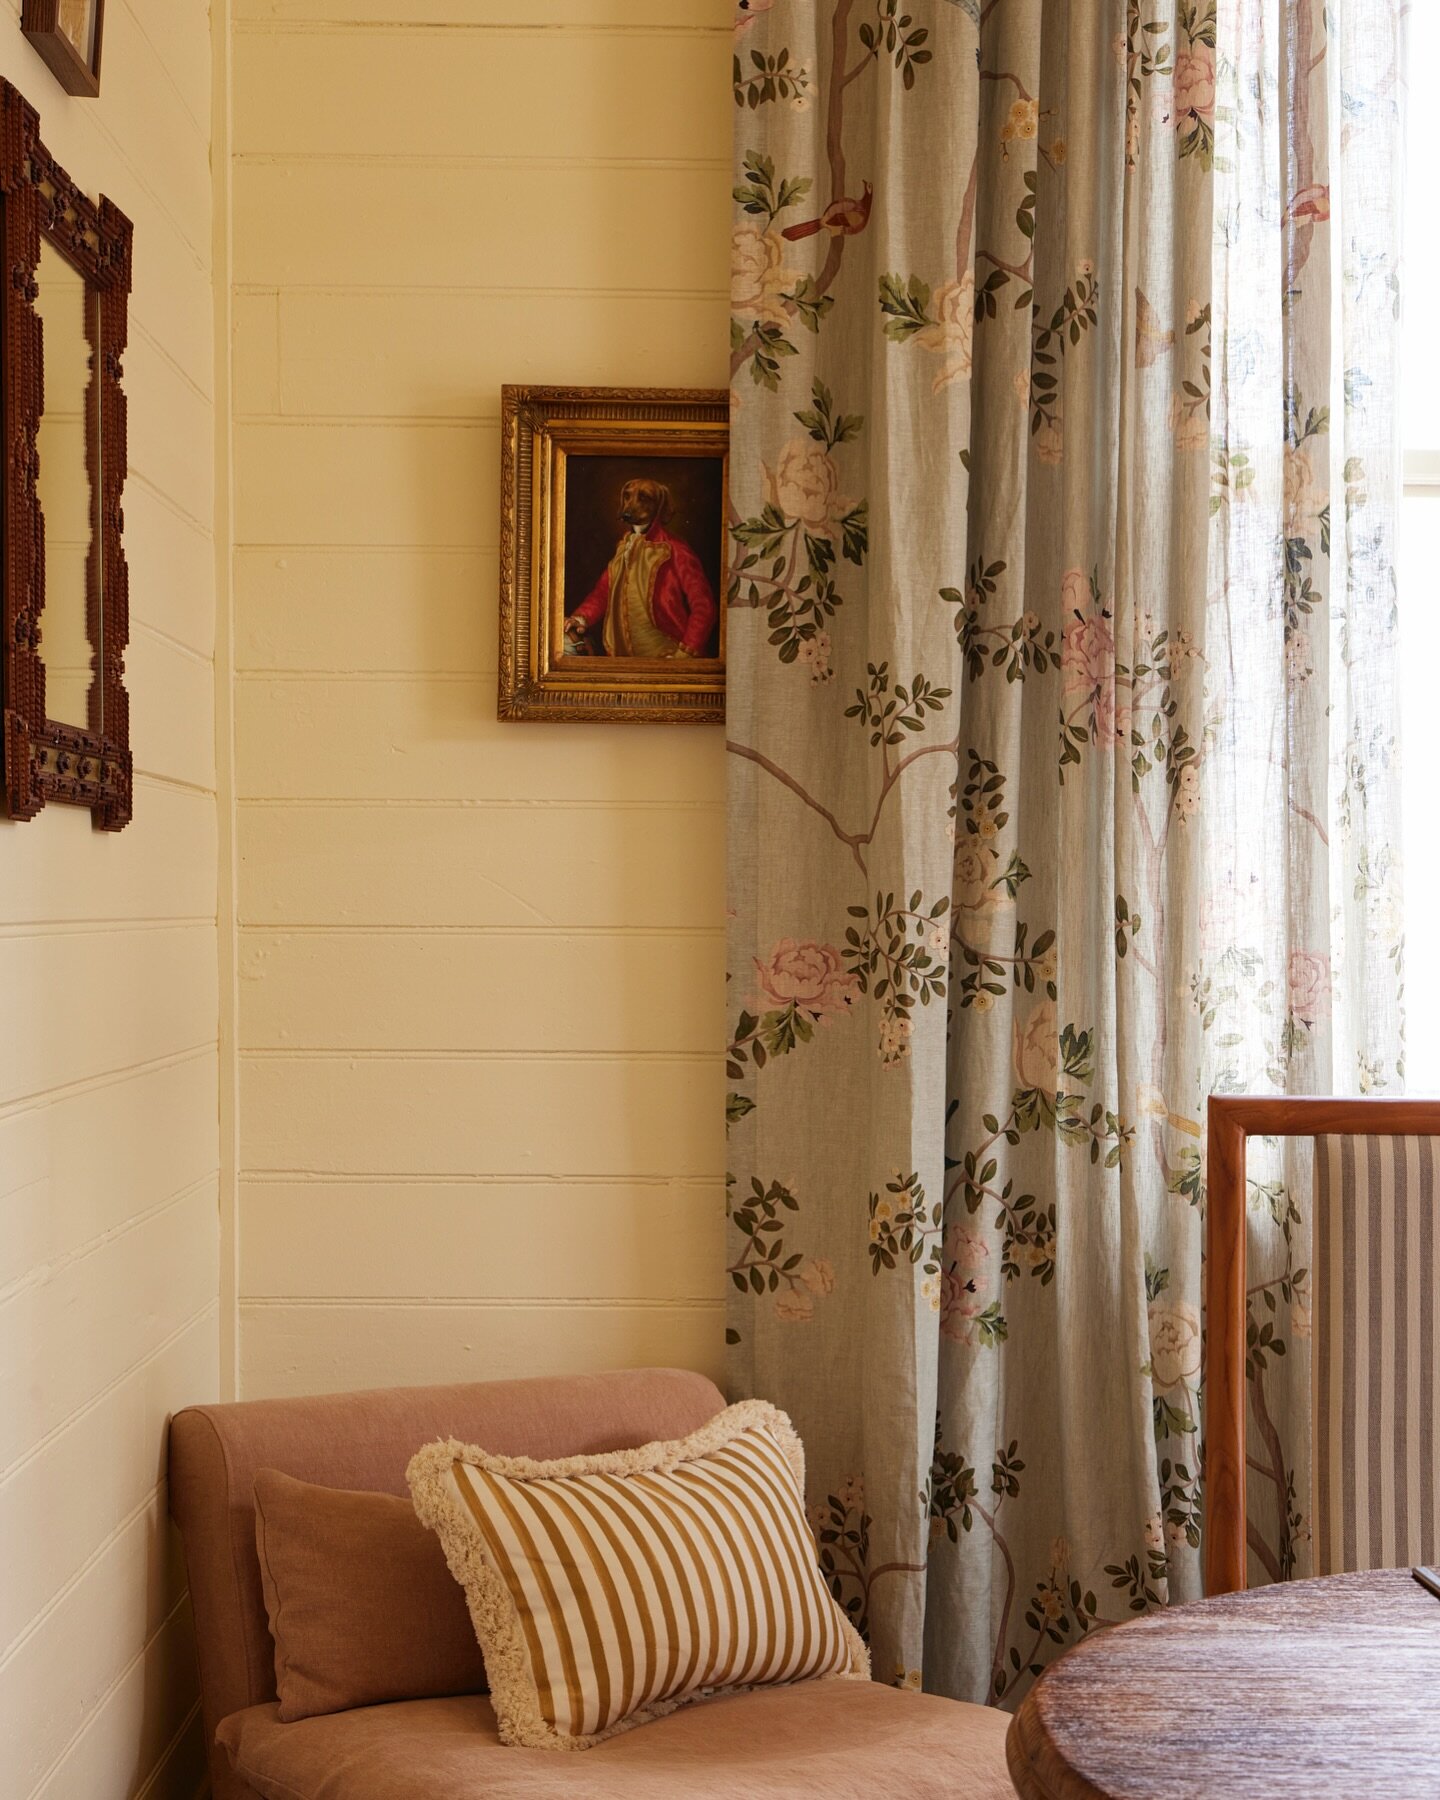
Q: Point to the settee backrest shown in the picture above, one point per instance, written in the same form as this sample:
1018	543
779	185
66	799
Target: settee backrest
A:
365	1440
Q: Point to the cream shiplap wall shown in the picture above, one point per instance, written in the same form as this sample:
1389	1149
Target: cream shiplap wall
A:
480	965
108	1072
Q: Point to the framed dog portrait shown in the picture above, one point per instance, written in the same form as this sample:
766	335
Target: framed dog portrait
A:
612	554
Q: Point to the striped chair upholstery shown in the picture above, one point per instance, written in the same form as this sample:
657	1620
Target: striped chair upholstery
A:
1375	1286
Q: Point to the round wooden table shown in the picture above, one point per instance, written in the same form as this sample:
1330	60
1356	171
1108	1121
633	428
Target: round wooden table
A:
1310	1688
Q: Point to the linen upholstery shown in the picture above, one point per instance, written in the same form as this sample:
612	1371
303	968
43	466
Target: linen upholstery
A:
362	1440
1376	1370
607	1590
361	1605
843	1740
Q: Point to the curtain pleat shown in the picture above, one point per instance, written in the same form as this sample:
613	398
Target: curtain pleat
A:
1062	763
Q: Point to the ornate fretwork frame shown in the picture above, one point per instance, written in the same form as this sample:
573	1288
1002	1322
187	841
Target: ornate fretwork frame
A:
46	760
540	428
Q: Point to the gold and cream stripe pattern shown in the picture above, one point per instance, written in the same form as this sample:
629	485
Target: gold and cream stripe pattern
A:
1376	1352
625	1582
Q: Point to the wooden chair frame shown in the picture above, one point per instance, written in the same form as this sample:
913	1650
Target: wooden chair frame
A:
1233	1119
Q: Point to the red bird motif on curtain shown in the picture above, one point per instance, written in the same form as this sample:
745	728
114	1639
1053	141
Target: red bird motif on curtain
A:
841	218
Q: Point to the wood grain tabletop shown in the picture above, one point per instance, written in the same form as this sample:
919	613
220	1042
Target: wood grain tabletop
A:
1312	1687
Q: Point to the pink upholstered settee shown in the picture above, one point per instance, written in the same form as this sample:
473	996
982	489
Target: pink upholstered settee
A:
836	1738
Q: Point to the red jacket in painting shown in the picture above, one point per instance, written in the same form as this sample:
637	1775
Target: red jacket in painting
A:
680	601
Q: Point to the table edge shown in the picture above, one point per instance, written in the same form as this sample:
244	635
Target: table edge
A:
1036	1767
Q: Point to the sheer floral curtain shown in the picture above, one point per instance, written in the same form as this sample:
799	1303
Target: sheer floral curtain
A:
1062	772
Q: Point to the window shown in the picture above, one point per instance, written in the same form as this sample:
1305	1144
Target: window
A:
1418	589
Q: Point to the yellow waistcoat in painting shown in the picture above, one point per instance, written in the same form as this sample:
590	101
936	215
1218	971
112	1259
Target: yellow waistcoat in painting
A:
630	628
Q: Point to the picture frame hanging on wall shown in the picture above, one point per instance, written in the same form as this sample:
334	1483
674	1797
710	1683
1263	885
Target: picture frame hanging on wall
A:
613	554
68	34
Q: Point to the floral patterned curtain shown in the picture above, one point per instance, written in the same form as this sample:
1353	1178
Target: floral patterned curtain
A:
1063	777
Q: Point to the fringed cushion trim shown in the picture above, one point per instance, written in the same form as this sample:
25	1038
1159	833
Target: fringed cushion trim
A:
607	1590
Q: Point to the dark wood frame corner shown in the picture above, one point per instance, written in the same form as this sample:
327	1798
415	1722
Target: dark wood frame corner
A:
539	427
1233	1120
45	759
40	22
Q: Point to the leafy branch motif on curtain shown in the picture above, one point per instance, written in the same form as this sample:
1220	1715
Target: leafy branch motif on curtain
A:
1061	765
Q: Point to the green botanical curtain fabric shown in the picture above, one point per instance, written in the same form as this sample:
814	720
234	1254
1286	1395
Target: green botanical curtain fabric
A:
1062	762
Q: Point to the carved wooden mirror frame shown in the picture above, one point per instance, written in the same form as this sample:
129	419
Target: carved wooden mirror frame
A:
44	759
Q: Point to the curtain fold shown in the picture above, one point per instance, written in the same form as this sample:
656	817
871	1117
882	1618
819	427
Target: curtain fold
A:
1063	767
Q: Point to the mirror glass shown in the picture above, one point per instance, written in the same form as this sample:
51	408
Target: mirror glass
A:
66	497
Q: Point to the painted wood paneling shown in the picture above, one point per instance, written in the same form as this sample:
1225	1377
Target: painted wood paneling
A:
485	15
67	1500
174	590
506	1240
516	224
98	1317
630	993
147	994
162	866
447	1115
481	996
440	740
643	867
419	93
108	1084
299	1349
427	486
416	353
98	1155
367	611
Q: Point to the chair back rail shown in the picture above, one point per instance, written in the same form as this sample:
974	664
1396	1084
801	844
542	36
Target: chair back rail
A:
1233	1119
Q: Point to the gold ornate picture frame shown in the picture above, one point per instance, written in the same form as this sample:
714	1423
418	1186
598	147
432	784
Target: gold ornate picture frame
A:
613	554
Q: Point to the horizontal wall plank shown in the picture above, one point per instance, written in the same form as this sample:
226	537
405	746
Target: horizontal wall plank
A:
475	93
152	124
64	1340
172	572
486	866
149	1720
440	740
431	485
255	354
502	992
480	227
415	354
172	710
64	1503
486	15
109	1280
367	611
142	1708
146	994
170	430
311	1350
119	1610
77	1169
482	1240
180	36
433	1116
171	297
162	865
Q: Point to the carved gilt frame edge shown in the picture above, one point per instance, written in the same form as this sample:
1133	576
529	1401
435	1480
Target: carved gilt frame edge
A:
527	412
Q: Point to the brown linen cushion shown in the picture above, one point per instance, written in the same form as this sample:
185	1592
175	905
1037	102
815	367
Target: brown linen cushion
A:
362	1607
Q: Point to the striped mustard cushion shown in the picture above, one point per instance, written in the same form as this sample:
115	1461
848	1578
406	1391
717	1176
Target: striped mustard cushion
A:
607	1590
1376	1352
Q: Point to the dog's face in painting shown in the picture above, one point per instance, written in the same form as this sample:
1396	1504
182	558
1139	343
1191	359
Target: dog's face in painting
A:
643	502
